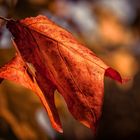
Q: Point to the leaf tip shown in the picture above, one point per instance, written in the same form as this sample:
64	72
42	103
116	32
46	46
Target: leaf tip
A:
57	128
110	72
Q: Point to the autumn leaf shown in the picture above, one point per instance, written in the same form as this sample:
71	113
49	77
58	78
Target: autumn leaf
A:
49	58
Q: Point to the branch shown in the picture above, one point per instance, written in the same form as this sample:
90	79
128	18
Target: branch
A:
3	18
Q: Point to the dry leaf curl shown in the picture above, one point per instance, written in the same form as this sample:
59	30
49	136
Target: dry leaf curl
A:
50	58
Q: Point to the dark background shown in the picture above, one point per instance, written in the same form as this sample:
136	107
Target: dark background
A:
111	28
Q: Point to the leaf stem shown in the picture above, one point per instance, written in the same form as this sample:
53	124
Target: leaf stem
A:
3	18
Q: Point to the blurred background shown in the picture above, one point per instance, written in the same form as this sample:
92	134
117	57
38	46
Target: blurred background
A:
110	28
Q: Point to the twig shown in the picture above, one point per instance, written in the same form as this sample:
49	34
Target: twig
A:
3	18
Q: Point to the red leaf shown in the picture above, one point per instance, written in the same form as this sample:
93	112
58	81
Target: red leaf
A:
56	60
17	71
